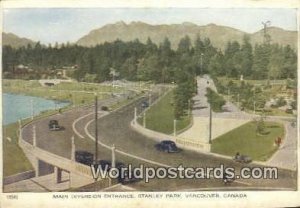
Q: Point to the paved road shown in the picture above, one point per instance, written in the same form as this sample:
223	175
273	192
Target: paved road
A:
115	129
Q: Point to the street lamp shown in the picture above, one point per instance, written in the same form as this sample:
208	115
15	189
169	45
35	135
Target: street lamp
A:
201	62
210	125
32	109
96	127
174	127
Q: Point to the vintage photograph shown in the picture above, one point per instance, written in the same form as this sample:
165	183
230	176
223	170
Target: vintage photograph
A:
149	100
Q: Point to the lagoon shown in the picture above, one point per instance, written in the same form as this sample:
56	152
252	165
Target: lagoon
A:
17	106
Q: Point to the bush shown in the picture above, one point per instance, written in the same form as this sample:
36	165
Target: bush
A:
281	102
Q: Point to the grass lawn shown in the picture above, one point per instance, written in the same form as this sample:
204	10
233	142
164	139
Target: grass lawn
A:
14	160
245	141
76	93
160	117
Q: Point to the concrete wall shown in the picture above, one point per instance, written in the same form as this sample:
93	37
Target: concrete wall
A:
180	142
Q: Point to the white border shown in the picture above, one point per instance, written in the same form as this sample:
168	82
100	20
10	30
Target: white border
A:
254	198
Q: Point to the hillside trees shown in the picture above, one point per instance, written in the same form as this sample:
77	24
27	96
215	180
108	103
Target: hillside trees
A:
134	60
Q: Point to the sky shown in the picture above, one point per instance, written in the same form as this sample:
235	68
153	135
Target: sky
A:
50	25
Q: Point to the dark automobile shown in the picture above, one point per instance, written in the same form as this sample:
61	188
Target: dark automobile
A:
289	110
104	108
145	104
84	157
242	159
104	163
167	146
124	176
53	125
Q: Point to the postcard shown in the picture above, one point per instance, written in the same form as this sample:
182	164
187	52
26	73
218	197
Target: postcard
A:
143	104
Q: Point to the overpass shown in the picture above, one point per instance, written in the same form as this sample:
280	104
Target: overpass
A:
45	162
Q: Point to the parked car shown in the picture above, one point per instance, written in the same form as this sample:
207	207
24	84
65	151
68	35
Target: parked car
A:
242	159
84	157
104	108
145	104
167	146
126	178
53	125
104	163
289	110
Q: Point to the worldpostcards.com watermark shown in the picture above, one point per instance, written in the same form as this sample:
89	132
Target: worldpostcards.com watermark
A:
148	173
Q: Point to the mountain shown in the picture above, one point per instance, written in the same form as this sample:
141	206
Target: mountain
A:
15	41
278	35
219	35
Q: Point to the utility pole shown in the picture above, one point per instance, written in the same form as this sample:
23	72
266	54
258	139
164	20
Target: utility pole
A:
135	115
201	63
238	100
189	108
73	148
254	100
113	156
34	135
174	127
210	125
267	37
144	120
149	98
32	109
96	127
228	92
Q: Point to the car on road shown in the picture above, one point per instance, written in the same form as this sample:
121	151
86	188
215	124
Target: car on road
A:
167	146
53	125
104	108
84	157
145	104
126	178
242	159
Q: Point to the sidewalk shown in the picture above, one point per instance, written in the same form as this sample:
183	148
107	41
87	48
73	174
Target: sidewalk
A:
286	155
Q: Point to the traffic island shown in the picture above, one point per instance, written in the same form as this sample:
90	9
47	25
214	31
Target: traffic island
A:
247	141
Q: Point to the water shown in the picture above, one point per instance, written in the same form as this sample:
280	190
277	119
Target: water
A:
17	107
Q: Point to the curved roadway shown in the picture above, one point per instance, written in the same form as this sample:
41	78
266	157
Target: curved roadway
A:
114	128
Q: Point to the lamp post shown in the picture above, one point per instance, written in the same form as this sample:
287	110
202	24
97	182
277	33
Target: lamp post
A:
113	156
189	108
32	109
149	97
144	120
96	127
201	63
210	125
174	127
254	101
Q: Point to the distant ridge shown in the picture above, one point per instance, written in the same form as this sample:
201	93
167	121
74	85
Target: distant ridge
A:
219	35
15	41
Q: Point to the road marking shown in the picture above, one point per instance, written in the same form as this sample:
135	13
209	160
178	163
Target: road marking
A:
119	151
135	156
80	118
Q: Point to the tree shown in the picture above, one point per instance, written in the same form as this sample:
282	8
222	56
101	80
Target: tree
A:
246	57
184	45
276	64
260	61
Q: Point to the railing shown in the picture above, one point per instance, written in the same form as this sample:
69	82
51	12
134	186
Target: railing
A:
55	160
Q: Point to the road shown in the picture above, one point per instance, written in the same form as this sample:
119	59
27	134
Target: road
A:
114	128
